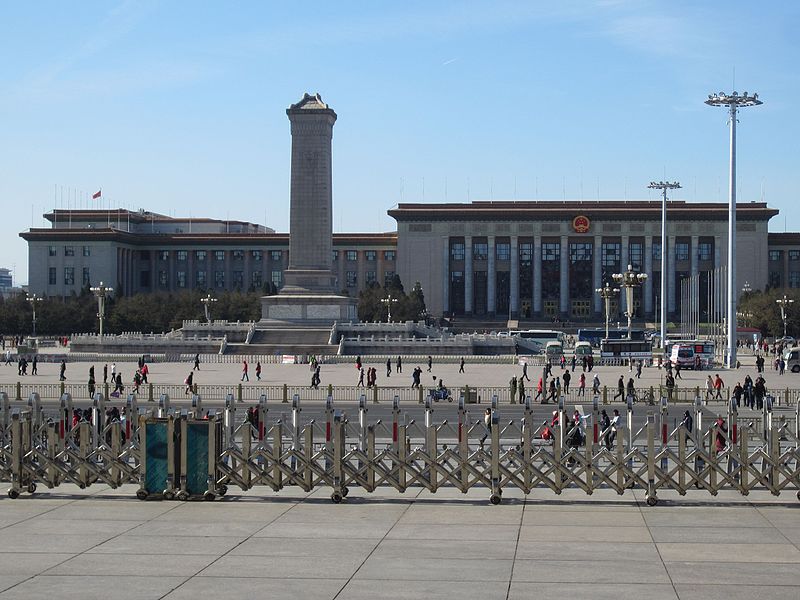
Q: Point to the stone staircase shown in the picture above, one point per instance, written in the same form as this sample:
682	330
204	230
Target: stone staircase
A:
286	340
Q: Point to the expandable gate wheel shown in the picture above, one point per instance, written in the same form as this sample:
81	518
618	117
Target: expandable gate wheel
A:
651	500
142	494
336	497
495	499
13	494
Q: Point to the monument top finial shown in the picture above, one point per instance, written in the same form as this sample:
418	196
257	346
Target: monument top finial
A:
310	103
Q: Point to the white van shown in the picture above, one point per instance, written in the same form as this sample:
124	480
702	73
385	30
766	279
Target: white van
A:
582	349
682	355
792	358
554	351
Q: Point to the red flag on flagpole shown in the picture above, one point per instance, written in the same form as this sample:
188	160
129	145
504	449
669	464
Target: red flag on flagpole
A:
97	194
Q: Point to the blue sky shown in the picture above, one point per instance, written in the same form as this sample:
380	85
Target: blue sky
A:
179	107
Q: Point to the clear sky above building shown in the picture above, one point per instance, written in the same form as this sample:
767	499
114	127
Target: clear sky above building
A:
179	107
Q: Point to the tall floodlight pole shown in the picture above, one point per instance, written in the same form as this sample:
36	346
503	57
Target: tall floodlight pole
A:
206	306
732	102
664	186
33	299
783	303
607	293
388	301
630	279
100	292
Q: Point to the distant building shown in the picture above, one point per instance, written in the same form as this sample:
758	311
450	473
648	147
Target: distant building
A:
6	281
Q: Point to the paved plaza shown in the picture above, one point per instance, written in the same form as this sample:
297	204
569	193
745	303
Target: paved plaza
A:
101	543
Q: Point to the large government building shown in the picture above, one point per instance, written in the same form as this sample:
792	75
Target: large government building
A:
483	259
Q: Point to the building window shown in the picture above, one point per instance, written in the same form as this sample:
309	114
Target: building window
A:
85	278
255	277
87	251
704	250
371	277
657	250
352	255
457	251
69	250
351	278
162	278
183	254
51	276
200	254
774	280
276	255
611	253
581	308
775	255
256	254
526	252
635	254
277	278
69	275
181	277
163	255
370	255
503	251
238	255
480	250
200	279
219	255
794	279
52	251
144	279
387	278
389	254
238	279
551	252
681	251
335	255
550	308
580	252
219	279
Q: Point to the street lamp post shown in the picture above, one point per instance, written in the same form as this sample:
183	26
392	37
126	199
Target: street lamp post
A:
206	306
388	301
783	303
607	293
630	279
33	299
732	102
664	186
100	292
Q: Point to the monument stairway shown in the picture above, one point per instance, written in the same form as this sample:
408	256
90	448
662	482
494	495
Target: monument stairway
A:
286	340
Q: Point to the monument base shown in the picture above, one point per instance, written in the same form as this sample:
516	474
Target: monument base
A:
308	308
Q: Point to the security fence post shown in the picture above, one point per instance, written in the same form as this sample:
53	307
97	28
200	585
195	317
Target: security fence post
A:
19	391
328	433
295	431
229	421
650	496
163	406
285	392
558	446
263	411
197	407
149	392
338	455
664	426
430	444
497	493
527	444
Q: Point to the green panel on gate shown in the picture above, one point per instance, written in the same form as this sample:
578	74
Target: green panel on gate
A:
197	458
156	457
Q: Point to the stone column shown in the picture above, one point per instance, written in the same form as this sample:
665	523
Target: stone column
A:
491	296
445	275
514	284
564	285
624	257
671	274
468	274
648	269
597	274
694	254
537	276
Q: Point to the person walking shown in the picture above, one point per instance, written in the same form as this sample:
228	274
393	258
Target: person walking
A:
91	385
245	376
566	377
189	382
595	384
630	390
400	364
605	428
620	389
582	385
258	370
709	388
105	373
512	388
113	371
718	385
487	423
552	391
639	370
360	378
616	421
688	421
525	371
62	373
388	367
461	366
430	362
196	362
35	363
540	390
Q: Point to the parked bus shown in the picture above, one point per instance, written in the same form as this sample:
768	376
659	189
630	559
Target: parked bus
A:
554	351
582	349
686	352
595	335
535	339
638	349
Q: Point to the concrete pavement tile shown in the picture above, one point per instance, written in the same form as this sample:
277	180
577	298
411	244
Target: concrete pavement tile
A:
736	592
472	531
307	547
217	527
367	589
68	527
587	551
446	514
718	535
398	549
30	564
22	542
569	533
47	587
705	517
745	573
110	510
699	552
285	567
323	529
618	591
191	512
354	515
420	569
792	534
589	572
8	581
781	516
240	588
167	545
615	518
135	565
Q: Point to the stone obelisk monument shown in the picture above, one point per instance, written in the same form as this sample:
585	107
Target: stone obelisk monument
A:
309	291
